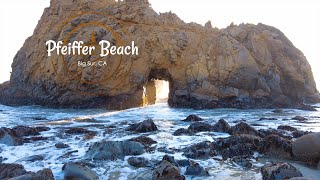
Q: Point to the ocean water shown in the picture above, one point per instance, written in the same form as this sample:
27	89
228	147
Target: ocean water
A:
167	119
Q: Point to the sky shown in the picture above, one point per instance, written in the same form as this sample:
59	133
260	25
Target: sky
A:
299	20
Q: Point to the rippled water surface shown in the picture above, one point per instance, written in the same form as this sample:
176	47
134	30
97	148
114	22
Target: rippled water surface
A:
167	119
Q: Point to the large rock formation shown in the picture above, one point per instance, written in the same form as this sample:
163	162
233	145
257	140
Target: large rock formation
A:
238	66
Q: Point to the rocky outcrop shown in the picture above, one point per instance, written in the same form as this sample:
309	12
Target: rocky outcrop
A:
239	66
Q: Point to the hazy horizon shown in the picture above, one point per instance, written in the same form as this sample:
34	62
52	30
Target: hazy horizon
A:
297	20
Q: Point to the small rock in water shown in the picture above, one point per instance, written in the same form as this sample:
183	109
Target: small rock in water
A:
200	127
221	126
287	128
279	171
183	131
202	150
145	126
193	118
138	162
170	159
242	161
278	111
32	158
270	119
196	170
73	170
165	170
76	130
61	145
184	162
112	150
45	174
299	118
244	128
11	170
144	140
39	118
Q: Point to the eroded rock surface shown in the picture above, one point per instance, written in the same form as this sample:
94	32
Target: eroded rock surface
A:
240	66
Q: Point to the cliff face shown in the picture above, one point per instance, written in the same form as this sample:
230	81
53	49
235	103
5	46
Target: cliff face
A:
239	66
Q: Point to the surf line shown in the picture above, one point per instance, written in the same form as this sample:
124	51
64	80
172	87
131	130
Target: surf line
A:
78	48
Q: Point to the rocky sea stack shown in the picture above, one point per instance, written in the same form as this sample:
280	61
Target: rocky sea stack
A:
240	66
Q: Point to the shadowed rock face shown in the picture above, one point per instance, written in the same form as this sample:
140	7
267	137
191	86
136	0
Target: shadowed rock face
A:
239	66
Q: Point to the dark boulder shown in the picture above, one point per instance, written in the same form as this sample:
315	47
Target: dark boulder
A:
145	126
278	132
200	127
144	140
297	134
279	171
61	145
238	145
287	128
233	140
73	170
20	131
307	148
183	131
11	170
184	162
170	159
193	118
112	150
196	170
221	126
278	111
237	150
244	128
138	162
202	150
299	118
276	146
242	161
77	130
268	119
8	138
167	171
32	158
